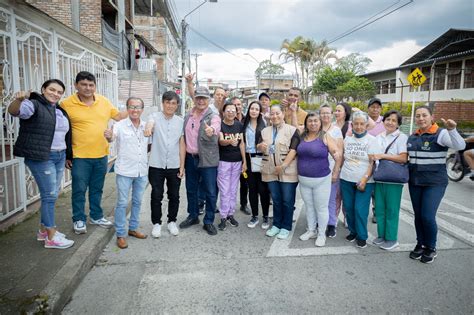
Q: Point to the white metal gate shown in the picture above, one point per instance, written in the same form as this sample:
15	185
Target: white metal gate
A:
30	55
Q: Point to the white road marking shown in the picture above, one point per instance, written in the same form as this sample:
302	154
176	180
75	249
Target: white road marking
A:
458	217
281	248
457	205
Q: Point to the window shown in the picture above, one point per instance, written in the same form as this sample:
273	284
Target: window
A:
439	77
385	87
469	74
393	86
378	85
454	75
427	72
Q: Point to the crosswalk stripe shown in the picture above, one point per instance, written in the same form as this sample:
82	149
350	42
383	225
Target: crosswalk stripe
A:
457	205
458	217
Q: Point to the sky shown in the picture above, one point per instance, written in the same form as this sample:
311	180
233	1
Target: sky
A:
258	27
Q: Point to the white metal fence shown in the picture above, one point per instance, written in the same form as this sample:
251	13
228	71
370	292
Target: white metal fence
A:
29	55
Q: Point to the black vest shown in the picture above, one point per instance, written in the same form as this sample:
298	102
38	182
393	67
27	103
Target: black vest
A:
36	133
427	163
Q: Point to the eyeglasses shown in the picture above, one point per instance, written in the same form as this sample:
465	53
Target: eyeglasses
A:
135	107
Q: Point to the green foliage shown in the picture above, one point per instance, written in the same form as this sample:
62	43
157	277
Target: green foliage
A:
404	109
357	88
308	106
273	102
329	79
267	67
355	63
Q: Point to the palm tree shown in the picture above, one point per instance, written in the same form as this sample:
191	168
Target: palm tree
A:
290	52
322	54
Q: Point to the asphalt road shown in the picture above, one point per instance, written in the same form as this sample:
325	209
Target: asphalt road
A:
242	271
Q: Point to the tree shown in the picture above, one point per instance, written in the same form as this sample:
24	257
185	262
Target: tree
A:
329	79
357	89
290	52
354	62
267	67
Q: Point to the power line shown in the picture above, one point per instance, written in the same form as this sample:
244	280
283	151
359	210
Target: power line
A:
366	24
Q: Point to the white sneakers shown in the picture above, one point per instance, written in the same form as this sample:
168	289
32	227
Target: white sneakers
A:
80	227
59	241
102	222
172	228
156	232
307	235
320	241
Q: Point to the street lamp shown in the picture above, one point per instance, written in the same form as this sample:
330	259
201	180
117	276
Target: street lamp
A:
183	55
258	74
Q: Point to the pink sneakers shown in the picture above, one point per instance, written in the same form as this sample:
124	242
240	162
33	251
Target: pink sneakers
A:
58	242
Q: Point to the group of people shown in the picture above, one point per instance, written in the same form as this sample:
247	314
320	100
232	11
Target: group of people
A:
269	150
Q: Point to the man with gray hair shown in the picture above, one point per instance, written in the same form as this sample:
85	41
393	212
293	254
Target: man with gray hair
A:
131	168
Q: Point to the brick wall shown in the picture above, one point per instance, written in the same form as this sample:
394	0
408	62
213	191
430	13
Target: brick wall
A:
458	111
89	15
90	19
59	10
155	33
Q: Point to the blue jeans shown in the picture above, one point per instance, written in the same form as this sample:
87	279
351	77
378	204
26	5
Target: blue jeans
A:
357	205
48	175
87	173
283	196
208	185
124	183
425	201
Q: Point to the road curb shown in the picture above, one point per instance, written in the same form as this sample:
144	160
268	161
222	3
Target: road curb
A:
60	289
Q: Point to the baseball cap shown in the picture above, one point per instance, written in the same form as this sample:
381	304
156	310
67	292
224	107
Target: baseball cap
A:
264	94
202	91
375	100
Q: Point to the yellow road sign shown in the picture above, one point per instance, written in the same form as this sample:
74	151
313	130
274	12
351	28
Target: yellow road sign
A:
416	78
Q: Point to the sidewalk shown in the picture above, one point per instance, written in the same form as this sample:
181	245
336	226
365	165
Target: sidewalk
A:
35	279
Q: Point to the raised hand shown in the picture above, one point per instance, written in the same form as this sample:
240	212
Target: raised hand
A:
449	124
189	77
208	130
109	133
21	95
149	128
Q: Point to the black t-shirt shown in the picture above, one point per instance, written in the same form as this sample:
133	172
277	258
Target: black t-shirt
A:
229	153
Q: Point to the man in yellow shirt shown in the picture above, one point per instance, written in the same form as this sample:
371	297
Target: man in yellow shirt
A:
89	114
294	115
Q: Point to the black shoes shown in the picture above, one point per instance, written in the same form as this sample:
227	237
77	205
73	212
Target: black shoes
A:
245	209
417	252
428	256
331	231
188	222
232	220
210	229
223	225
361	243
350	238
374	219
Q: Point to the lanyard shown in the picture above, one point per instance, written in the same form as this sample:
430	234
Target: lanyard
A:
275	133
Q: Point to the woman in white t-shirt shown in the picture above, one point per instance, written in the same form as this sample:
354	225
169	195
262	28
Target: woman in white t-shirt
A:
356	177
388	195
325	112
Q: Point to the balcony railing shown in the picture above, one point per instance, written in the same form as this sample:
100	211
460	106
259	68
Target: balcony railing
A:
146	65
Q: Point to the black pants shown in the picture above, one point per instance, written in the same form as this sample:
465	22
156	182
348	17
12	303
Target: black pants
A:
244	190
257	187
157	177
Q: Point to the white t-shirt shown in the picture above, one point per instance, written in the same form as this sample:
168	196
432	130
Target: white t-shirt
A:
399	146
335	133
356	157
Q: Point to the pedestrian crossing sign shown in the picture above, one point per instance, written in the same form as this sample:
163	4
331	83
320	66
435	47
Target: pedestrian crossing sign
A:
416	77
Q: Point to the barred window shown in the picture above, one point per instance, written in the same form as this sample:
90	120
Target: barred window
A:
385	87
393	86
378	85
427	72
454	75
469	74
439	77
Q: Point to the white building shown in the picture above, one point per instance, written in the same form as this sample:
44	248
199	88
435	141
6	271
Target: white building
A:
447	63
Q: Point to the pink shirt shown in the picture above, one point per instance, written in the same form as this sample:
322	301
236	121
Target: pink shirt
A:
191	130
379	127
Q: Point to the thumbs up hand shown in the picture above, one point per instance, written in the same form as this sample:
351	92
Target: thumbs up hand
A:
208	130
109	133
449	124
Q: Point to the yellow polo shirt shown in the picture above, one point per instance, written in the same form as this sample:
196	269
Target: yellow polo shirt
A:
88	125
300	116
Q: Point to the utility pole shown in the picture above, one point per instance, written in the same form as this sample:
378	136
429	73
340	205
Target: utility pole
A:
196	61
183	67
